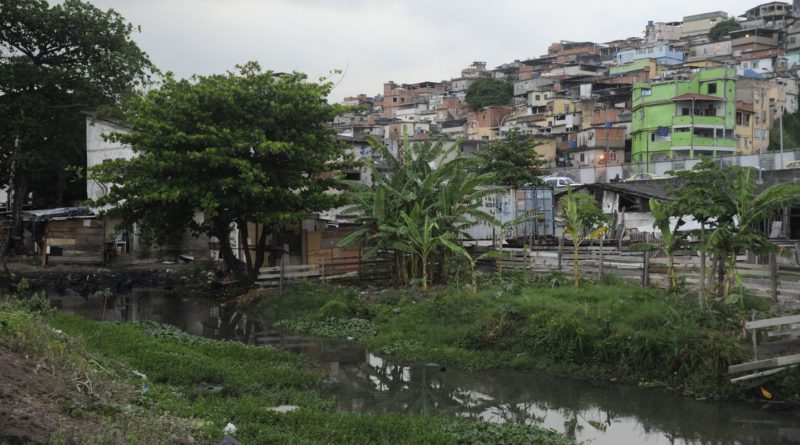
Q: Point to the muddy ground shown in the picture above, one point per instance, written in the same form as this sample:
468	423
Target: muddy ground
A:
36	401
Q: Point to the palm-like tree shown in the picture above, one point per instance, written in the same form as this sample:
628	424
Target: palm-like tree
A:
742	233
426	195
584	221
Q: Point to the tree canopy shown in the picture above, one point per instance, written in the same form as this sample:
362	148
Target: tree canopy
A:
727	201
55	62
513	160
487	91
791	132
721	29
246	146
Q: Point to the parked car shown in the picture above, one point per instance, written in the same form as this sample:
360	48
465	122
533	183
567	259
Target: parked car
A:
792	164
559	181
645	177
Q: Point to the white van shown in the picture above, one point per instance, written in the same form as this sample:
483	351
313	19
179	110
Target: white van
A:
559	181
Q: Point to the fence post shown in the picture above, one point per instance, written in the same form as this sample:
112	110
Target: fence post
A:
560	245
773	275
360	266
322	267
283	271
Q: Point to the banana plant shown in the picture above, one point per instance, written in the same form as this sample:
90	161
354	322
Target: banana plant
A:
584	221
670	236
419	240
472	261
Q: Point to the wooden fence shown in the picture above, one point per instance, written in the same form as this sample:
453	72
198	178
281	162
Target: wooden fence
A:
326	270
778	282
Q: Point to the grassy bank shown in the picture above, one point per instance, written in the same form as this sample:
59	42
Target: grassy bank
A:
607	330
194	387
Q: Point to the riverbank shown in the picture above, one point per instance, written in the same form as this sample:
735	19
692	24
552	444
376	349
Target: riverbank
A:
73	380
609	331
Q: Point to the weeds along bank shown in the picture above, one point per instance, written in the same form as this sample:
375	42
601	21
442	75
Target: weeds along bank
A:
148	383
609	330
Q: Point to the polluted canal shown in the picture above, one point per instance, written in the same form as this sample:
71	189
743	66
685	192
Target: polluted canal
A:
591	412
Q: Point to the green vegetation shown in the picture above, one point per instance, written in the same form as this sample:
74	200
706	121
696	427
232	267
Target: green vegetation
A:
721	29
260	142
584	221
486	91
725	201
194	387
672	239
602	330
57	61
513	161
415	212
791	131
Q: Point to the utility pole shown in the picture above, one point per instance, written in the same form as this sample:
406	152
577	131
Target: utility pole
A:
781	125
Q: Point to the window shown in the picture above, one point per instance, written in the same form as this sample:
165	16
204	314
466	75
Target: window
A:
537	97
712	88
685	111
647	92
394	99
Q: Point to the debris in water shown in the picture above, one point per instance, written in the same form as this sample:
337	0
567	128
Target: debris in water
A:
229	428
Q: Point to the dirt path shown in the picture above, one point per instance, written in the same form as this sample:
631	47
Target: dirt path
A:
34	402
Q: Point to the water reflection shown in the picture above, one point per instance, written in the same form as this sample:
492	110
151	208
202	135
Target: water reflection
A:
596	413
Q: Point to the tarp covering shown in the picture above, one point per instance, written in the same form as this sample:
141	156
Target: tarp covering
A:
61	212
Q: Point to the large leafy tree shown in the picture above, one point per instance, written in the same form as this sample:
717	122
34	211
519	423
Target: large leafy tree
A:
514	161
55	62
249	145
721	29
487	91
791	131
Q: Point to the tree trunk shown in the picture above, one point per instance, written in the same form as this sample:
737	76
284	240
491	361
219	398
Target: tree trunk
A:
424	274
673	279
244	235
20	192
720	277
474	280
261	247
575	264
702	260
222	232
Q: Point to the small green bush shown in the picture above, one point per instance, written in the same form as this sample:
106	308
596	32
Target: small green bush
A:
333	309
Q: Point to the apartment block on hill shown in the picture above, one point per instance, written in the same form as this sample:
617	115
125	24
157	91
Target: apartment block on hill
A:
680	119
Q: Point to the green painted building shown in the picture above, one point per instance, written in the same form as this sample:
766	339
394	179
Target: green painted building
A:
683	119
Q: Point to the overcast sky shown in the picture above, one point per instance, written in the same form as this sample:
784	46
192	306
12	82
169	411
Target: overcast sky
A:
374	41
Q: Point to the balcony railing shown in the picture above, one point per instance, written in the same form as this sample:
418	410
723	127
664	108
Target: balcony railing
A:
686	140
698	121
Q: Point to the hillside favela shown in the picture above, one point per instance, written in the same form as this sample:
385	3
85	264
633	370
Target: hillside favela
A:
222	222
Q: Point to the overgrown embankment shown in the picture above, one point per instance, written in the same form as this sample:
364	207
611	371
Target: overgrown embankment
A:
605	330
149	383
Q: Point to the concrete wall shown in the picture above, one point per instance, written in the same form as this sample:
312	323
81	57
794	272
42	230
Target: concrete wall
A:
99	150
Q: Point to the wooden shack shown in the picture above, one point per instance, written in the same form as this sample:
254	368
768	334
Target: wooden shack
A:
73	240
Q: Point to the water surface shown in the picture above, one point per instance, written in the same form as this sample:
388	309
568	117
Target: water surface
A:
591	412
